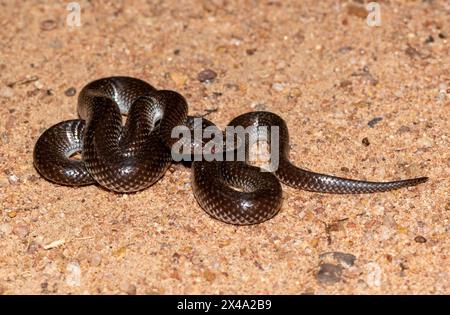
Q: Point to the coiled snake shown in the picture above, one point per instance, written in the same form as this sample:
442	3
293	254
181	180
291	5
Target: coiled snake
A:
131	157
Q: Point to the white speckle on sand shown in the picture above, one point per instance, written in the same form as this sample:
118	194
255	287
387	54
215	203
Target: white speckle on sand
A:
73	277
374	274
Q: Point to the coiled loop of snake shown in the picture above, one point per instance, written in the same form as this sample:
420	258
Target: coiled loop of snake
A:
119	158
259	197
131	157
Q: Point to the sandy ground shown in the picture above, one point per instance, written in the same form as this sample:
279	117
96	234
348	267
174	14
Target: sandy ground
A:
316	63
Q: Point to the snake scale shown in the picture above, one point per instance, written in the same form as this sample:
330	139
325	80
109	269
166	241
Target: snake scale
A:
133	156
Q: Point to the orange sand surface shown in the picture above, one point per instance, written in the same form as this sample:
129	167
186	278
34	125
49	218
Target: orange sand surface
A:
318	64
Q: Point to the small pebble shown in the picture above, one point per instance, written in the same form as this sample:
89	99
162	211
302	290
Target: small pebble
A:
420	239
38	85
412	52
329	274
357	10
258	106
232	86
6	92
5	228
119	252
299	37
429	39
4	137
343	259
206	76
179	78
4	182
48	25
95	260
33	247
131	290
13	179
361	104
21	231
32	178
295	93
374	274
345	83
175	275
347	259
224	243
56	44
209	276
128	288
176	258
403	129
278	87
12	214
44	287
70	91
54	244
365	141
374	121
73	277
344	49
236	41
425	142
280	65
336	227
251	51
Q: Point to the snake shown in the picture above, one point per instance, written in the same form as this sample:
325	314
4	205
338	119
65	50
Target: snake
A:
129	156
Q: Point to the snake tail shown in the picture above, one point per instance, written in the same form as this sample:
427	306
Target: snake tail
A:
299	178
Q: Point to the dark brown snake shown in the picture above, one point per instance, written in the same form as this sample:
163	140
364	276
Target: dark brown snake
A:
131	157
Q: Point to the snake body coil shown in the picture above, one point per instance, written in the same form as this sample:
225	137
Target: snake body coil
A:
131	157
120	158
